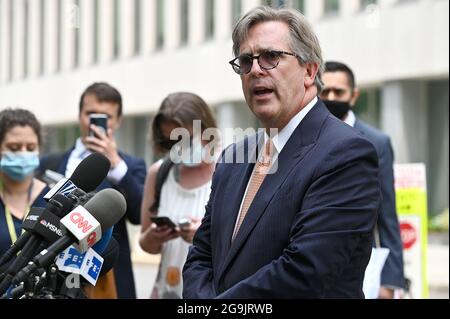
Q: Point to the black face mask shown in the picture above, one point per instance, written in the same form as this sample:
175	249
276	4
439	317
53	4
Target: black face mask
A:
337	108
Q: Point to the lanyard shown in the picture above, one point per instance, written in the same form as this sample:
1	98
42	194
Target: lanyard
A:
9	218
10	223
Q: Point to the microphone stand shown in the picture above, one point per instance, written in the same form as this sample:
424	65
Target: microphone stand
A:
47	292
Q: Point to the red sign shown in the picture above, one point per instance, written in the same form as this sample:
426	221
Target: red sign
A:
408	234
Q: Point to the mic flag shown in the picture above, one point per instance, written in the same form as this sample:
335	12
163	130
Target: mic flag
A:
88	264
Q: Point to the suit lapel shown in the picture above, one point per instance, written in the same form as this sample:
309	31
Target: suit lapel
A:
299	144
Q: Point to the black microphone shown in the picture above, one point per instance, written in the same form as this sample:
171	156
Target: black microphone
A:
88	175
42	226
83	227
42	222
110	255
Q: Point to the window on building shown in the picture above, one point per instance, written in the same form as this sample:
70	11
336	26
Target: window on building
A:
59	27
236	11
367	107
184	25
59	138
26	17
275	3
42	38
364	3
10	45
137	26
331	7
76	30
299	5
209	16
96	32
116	29
159	24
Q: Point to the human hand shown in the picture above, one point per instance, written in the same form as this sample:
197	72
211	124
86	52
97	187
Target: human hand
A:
103	144
161	234
188	232
386	293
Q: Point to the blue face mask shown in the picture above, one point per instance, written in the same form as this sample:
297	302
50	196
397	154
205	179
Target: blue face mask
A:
19	165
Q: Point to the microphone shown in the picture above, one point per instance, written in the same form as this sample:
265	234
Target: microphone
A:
88	175
83	227
40	221
42	226
107	248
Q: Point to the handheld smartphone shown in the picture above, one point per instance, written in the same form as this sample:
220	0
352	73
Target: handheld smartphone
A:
99	120
163	221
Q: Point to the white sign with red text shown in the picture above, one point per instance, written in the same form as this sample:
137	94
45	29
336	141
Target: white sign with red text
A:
411	202
81	224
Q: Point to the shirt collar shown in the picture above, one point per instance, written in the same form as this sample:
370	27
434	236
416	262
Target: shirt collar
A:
80	150
350	119
280	140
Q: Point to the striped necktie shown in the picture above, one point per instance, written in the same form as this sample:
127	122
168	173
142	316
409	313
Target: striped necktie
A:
262	167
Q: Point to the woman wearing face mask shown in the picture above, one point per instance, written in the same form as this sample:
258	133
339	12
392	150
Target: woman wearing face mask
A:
186	189
20	138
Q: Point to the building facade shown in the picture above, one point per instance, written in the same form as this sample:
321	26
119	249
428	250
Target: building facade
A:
51	50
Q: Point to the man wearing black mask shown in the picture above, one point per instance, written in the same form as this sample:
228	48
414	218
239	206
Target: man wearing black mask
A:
340	95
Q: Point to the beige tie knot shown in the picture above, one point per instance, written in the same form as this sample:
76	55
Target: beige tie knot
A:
265	160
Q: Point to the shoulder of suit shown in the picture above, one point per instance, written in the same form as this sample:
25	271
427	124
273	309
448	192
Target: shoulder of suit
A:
128	158
370	131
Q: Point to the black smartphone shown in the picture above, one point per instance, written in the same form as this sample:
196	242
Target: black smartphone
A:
99	120
163	221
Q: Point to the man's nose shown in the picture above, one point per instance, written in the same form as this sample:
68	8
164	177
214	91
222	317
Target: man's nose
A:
330	95
256	68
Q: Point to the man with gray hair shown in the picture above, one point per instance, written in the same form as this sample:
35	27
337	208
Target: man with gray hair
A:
305	229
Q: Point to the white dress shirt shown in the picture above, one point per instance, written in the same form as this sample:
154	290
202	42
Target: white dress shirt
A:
350	119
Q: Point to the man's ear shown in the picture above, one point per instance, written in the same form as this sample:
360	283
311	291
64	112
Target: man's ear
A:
119	121
310	74
355	96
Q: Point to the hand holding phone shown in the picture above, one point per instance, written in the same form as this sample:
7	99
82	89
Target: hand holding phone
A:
163	221
99	120
184	222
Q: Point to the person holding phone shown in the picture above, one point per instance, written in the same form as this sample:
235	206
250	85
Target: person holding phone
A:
168	230
100	115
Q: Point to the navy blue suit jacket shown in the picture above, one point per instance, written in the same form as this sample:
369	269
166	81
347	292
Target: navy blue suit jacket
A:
387	224
132	187
308	232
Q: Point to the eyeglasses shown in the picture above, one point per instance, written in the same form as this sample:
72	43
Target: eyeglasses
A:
267	60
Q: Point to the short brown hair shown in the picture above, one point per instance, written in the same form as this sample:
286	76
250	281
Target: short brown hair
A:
10	118
103	92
